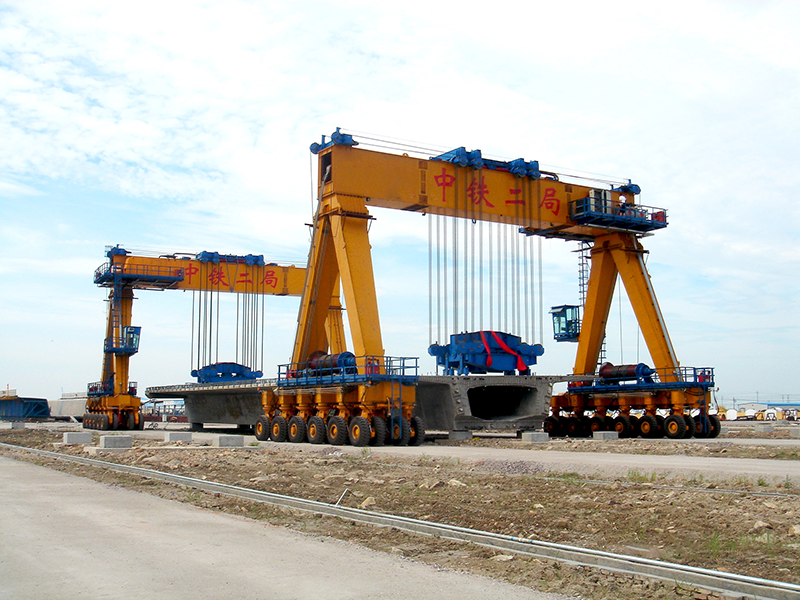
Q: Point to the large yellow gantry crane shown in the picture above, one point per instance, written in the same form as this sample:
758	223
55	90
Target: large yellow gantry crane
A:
367	393
113	402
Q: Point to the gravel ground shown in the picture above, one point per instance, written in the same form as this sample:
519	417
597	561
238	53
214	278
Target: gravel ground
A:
736	526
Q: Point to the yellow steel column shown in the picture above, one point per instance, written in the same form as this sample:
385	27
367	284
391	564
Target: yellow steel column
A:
628	256
122	360
351	240
599	293
322	275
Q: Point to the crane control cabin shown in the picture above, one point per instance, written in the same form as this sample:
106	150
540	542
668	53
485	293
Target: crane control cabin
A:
113	402
372	392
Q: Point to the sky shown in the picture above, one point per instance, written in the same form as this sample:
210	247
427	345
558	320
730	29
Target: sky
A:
185	126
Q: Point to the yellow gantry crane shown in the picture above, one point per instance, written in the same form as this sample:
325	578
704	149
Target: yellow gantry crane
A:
113	402
367	393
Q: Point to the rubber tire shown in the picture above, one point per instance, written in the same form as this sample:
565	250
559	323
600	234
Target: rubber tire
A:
609	421
634	425
359	431
132	420
104	422
573	427
715	426
674	427
262	429
378	432
140	424
316	431
597	424
278	429
296	430
337	431
417	431
114	424
701	425
405	433
586	426
691	426
661	431
552	426
648	426
623	427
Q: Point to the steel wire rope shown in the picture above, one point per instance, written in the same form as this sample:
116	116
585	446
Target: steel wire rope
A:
430	279
191	345
541	295
490	274
619	306
216	357
455	256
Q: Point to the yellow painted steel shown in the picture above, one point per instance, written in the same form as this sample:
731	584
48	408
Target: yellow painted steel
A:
435	187
354	179
196	275
227	277
359	179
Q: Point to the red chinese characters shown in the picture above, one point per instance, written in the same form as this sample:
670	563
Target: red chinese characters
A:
515	196
270	279
478	192
550	202
444	181
189	272
217	277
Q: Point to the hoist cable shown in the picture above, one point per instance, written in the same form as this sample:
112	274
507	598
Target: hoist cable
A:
541	295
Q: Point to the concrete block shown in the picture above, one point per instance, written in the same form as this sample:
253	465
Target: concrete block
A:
764	429
723	430
605	435
535	436
116	441
177	436
794	432
228	441
12	425
77	437
459	436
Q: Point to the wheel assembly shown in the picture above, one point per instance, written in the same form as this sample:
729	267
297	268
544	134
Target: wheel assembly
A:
674	427
297	430
417	431
317	433
262	429
359	431
337	431
378	432
279	429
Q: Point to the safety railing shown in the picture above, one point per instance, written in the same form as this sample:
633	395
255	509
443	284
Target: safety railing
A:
604	212
642	378
157	275
345	368
106	388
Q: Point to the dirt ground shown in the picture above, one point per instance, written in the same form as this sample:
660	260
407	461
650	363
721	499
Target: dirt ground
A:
745	528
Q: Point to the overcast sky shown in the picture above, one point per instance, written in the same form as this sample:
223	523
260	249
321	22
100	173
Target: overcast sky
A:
185	126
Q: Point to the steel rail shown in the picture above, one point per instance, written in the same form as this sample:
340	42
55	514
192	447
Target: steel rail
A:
715	581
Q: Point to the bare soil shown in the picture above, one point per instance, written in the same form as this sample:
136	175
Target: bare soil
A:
751	530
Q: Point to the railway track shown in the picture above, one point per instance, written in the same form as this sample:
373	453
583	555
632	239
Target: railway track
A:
706	579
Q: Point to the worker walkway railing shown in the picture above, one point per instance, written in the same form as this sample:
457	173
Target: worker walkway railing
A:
603	212
157	276
628	378
346	368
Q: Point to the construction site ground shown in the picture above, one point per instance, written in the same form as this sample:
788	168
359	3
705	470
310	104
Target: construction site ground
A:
746	523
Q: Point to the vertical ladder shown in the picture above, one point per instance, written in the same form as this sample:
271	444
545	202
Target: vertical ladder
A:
584	269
